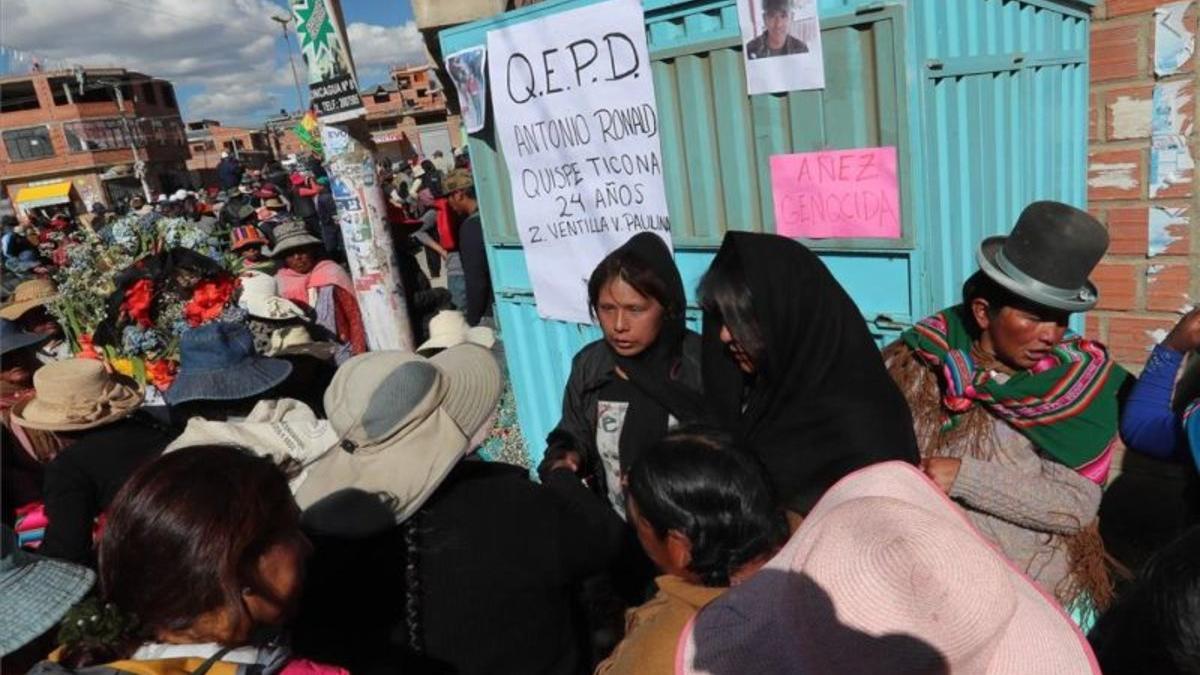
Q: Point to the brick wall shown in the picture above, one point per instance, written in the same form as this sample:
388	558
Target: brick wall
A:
1143	281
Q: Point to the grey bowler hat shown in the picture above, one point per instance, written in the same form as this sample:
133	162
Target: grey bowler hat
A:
1048	256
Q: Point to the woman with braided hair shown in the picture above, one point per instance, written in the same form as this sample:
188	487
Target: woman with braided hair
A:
706	515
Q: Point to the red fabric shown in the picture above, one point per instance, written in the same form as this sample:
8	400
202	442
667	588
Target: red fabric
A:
445	225
294	286
350	328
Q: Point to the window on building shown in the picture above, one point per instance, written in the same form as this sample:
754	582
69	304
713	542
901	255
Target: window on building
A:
59	87
198	147
16	96
31	143
94	93
92	135
168	95
240	145
149	93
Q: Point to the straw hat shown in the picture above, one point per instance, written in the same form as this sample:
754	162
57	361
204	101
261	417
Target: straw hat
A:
449	328
886	574
77	394
28	295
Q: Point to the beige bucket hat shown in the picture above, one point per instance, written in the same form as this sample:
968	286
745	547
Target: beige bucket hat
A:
403	423
449	328
77	394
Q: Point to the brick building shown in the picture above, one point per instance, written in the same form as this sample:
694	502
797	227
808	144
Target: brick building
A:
207	139
71	139
408	117
1146	197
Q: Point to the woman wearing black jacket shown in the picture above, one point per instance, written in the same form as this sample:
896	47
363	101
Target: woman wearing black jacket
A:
626	390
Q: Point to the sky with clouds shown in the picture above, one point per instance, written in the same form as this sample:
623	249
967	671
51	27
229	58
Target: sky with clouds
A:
227	58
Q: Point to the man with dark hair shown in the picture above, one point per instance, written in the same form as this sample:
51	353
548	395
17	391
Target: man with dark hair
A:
775	39
1016	419
472	254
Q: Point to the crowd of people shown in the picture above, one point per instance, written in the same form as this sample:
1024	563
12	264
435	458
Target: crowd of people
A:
772	494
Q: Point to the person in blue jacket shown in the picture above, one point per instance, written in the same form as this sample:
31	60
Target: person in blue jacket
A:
1149	423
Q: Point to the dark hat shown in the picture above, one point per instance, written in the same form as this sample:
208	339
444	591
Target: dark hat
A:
217	362
13	338
1048	256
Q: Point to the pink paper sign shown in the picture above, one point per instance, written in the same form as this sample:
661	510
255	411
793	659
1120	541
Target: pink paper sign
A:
837	193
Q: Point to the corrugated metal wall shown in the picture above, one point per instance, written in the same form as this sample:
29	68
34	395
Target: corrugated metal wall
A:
985	99
1004	91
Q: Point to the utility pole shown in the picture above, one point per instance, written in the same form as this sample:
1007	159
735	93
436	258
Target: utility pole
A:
139	167
283	22
362	213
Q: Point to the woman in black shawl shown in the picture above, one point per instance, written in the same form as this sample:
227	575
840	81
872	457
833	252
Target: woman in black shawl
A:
627	389
790	367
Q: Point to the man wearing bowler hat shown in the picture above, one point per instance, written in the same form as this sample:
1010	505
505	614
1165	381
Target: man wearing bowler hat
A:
1016	418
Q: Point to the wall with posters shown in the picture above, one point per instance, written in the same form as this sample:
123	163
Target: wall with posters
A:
910	75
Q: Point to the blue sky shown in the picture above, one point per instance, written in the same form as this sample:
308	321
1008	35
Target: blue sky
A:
227	59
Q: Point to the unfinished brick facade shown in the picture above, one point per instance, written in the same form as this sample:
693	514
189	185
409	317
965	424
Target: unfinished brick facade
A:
1146	279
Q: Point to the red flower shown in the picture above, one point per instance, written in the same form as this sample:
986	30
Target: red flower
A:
208	300
138	299
86	349
161	373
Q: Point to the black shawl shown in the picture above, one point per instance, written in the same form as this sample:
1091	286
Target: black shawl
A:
823	405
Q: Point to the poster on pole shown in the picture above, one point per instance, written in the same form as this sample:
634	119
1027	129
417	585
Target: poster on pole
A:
782	45
332	85
575	114
466	68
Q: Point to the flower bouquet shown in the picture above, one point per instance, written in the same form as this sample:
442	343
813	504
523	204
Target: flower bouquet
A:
129	293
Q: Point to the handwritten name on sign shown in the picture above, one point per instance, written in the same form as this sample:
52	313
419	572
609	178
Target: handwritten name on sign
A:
837	193
575	113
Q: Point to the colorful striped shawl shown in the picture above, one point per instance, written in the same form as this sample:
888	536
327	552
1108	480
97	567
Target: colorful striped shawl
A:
1066	405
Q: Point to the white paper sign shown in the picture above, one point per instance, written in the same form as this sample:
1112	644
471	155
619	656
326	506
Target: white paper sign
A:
781	45
575	114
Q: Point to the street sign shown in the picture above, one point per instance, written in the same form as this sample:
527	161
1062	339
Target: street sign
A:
332	85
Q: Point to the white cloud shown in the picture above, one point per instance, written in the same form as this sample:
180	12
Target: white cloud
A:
384	46
228	52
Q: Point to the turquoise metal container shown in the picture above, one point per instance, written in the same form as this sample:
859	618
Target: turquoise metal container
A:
985	100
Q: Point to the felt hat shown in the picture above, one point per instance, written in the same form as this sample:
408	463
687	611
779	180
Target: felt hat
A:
246	235
274	202
13	338
448	328
1048	256
77	394
404	422
28	295
260	298
35	592
886	574
218	363
292	234
244	212
458	179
